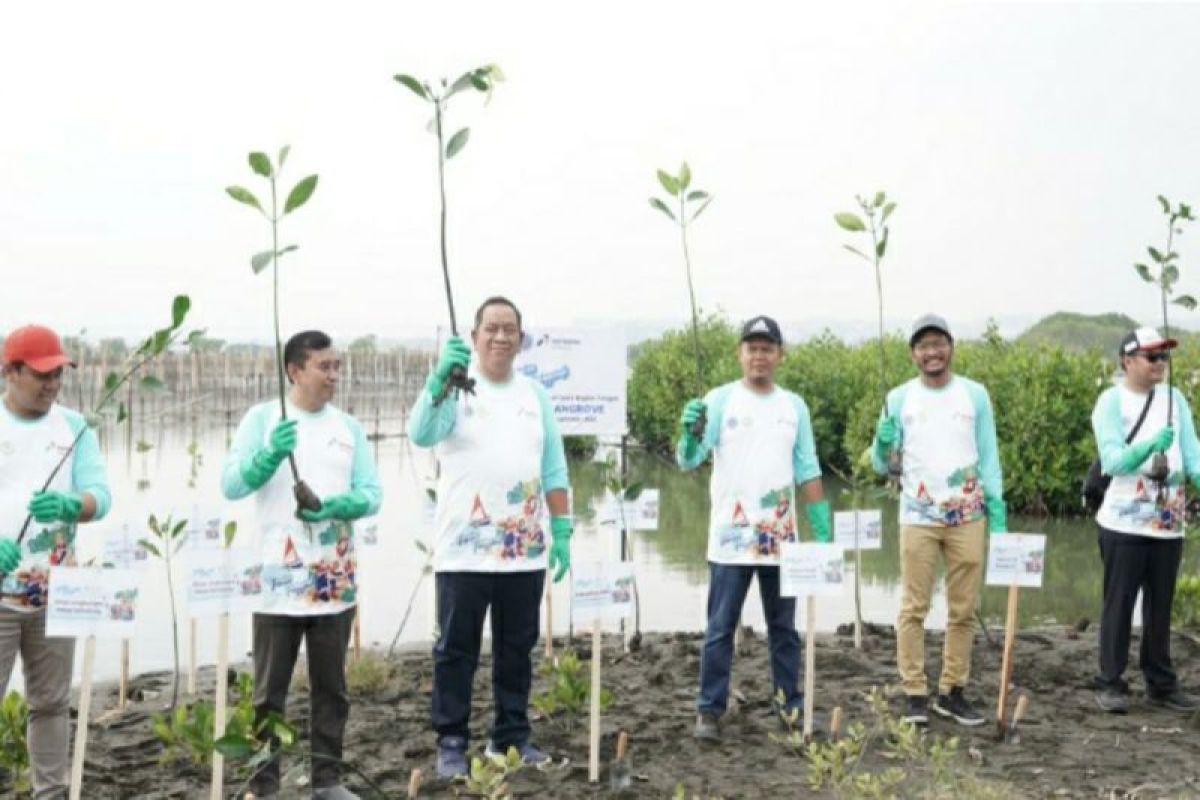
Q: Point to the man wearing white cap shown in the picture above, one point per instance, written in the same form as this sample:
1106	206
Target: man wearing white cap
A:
35	435
1147	443
952	494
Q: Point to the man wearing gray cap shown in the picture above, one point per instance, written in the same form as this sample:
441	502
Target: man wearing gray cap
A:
951	490
762	444
1147	443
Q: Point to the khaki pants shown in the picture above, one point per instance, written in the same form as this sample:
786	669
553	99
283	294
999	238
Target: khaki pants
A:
962	547
47	672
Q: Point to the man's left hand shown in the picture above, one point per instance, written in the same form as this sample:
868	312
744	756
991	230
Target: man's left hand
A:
561	529
52	506
346	506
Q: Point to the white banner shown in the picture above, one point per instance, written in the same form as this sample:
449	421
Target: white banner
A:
89	601
1016	558
223	580
601	590
811	568
583	371
870	528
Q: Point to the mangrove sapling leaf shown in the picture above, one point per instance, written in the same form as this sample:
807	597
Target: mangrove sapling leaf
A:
482	79
1144	272
850	222
151	383
1185	300
283	154
306	498
661	206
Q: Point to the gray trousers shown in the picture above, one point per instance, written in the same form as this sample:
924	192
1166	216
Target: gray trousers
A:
277	640
47	668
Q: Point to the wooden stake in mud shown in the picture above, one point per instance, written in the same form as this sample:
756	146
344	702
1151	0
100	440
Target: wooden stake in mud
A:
810	664
414	784
835	723
594	732
549	621
1010	633
81	723
191	676
1011	735
358	630
218	761
858	622
123	680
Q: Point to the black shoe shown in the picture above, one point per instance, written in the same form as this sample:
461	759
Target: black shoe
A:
956	706
1112	701
1175	700
916	709
708	728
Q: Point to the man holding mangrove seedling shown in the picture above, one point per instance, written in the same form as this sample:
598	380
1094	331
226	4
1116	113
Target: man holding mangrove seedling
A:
952	493
761	439
35	433
500	453
1140	522
309	564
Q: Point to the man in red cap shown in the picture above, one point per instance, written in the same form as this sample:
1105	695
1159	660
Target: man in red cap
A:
35	435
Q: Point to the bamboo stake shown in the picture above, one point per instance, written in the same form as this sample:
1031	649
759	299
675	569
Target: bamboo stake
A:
218	761
1010	632
594	732
414	784
810	665
123	681
81	723
191	675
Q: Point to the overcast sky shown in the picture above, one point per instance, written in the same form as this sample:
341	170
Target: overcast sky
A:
1025	145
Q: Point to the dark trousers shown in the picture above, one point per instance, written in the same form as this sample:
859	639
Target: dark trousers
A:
277	640
1133	563
463	599
727	589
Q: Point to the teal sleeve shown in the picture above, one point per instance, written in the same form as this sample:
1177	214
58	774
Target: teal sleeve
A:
364	478
1110	435
804	451
87	468
991	477
714	403
554	457
251	433
1189	447
429	424
894	402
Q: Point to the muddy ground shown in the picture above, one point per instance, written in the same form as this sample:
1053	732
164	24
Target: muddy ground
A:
1067	748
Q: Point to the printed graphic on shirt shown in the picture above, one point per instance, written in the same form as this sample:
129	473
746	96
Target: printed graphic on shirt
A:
50	547
315	565
773	523
956	508
514	533
1157	508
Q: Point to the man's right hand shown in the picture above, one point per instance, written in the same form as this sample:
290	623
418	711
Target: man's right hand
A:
259	468
455	353
695	411
10	555
283	438
887	432
1162	441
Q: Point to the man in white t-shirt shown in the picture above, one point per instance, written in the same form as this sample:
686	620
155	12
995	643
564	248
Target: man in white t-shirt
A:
952	495
309	564
35	435
1141	519
502	467
761	439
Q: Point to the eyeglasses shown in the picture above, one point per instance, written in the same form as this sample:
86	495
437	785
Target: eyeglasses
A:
1154	358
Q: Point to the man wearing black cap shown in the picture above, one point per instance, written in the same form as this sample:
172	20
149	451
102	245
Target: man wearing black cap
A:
1141	519
951	488
762	444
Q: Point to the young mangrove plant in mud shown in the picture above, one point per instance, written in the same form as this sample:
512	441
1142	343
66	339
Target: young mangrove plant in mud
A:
489	775
570	688
481	79
14	749
168	540
1167	263
621	493
689	204
261	164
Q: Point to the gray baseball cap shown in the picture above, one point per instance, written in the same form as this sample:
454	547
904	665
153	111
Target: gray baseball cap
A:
928	322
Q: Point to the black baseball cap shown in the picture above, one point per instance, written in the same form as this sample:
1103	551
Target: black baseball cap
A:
928	322
761	327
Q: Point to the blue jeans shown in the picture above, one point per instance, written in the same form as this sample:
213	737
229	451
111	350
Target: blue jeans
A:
727	589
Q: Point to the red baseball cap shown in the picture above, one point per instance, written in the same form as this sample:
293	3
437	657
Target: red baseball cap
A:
37	346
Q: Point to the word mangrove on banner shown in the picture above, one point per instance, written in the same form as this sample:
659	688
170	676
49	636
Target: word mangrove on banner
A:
1016	559
811	568
870	529
92	601
601	590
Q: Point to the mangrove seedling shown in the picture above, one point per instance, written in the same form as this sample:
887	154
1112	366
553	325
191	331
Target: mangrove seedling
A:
260	163
614	481
168	540
481	79
489	775
1167	263
570	687
689	204
14	750
875	211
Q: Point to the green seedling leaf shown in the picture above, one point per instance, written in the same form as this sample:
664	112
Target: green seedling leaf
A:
1185	300
283	154
661	206
464	81
1170	274
159	341
431	494
261	164
150	547
1185	211
480	81
1166	205
122	413
244	196
179	309
179	526
1144	271
260	261
700	210
152	384
887	211
669	183
300	194
111	382
856	252
880	197
414	85
685	176
291	248
1155	254
230	532
849	221
457	142
881	247
634	490
696	195
234	747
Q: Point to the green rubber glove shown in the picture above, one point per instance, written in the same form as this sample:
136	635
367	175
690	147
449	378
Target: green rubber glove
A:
689	443
560	546
1134	455
455	353
997	514
820	520
258	468
10	555
350	505
887	434
55	506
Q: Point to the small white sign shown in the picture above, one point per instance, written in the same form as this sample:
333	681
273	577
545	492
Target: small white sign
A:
366	531
224	580
601	590
645	513
122	548
1016	559
91	601
870	528
811	568
640	514
204	527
